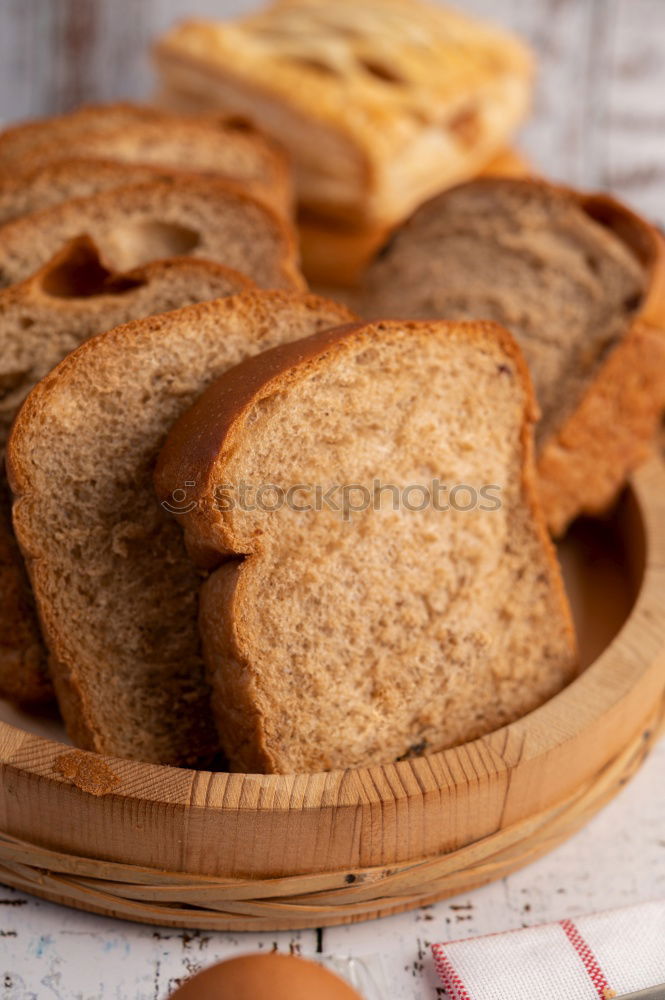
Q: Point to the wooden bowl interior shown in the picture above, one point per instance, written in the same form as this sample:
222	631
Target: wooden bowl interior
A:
603	568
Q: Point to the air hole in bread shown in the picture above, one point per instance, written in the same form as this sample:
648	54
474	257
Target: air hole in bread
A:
465	126
381	71
262	406
78	273
632	303
239	124
367	357
592	263
131	245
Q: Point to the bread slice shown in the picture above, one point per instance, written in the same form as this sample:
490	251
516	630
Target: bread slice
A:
579	281
41	320
379	102
31	191
143	222
334	254
173	145
17	141
53	183
139	134
116	592
339	638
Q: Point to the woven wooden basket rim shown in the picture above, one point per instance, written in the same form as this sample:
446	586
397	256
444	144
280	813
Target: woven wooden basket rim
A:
155	896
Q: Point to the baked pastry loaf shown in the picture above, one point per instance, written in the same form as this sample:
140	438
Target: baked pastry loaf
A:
138	223
380	103
116	592
578	280
392	625
212	145
42	320
334	254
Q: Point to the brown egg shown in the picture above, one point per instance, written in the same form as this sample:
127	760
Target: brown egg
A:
266	977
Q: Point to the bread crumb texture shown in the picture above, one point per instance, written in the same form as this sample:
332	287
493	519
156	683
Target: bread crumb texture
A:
523	254
334	642
116	591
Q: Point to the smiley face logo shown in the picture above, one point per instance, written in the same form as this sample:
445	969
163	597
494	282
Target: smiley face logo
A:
178	503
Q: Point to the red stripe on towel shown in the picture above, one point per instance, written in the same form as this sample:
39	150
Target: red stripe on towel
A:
589	960
452	983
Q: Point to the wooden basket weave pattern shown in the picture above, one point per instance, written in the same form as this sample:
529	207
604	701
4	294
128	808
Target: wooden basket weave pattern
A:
174	899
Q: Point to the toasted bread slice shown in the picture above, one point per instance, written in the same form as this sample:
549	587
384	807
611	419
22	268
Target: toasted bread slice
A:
139	223
393	625
116	593
380	103
41	321
139	135
580	281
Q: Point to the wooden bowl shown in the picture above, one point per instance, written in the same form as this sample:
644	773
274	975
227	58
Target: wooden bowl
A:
252	852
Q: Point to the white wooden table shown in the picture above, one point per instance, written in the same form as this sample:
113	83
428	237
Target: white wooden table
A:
599	120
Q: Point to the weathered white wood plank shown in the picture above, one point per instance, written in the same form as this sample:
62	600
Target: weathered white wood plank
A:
559	32
633	163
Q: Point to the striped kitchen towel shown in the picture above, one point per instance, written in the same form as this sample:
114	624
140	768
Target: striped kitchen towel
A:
589	958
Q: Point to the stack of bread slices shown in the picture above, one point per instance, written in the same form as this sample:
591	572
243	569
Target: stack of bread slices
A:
210	551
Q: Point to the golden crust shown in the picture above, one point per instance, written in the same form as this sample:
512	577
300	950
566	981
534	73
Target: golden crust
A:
421	95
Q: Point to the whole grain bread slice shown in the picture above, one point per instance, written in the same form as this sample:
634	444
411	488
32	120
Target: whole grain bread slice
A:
133	225
42	319
393	625
31	191
580	281
53	183
116	593
135	134
86	167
